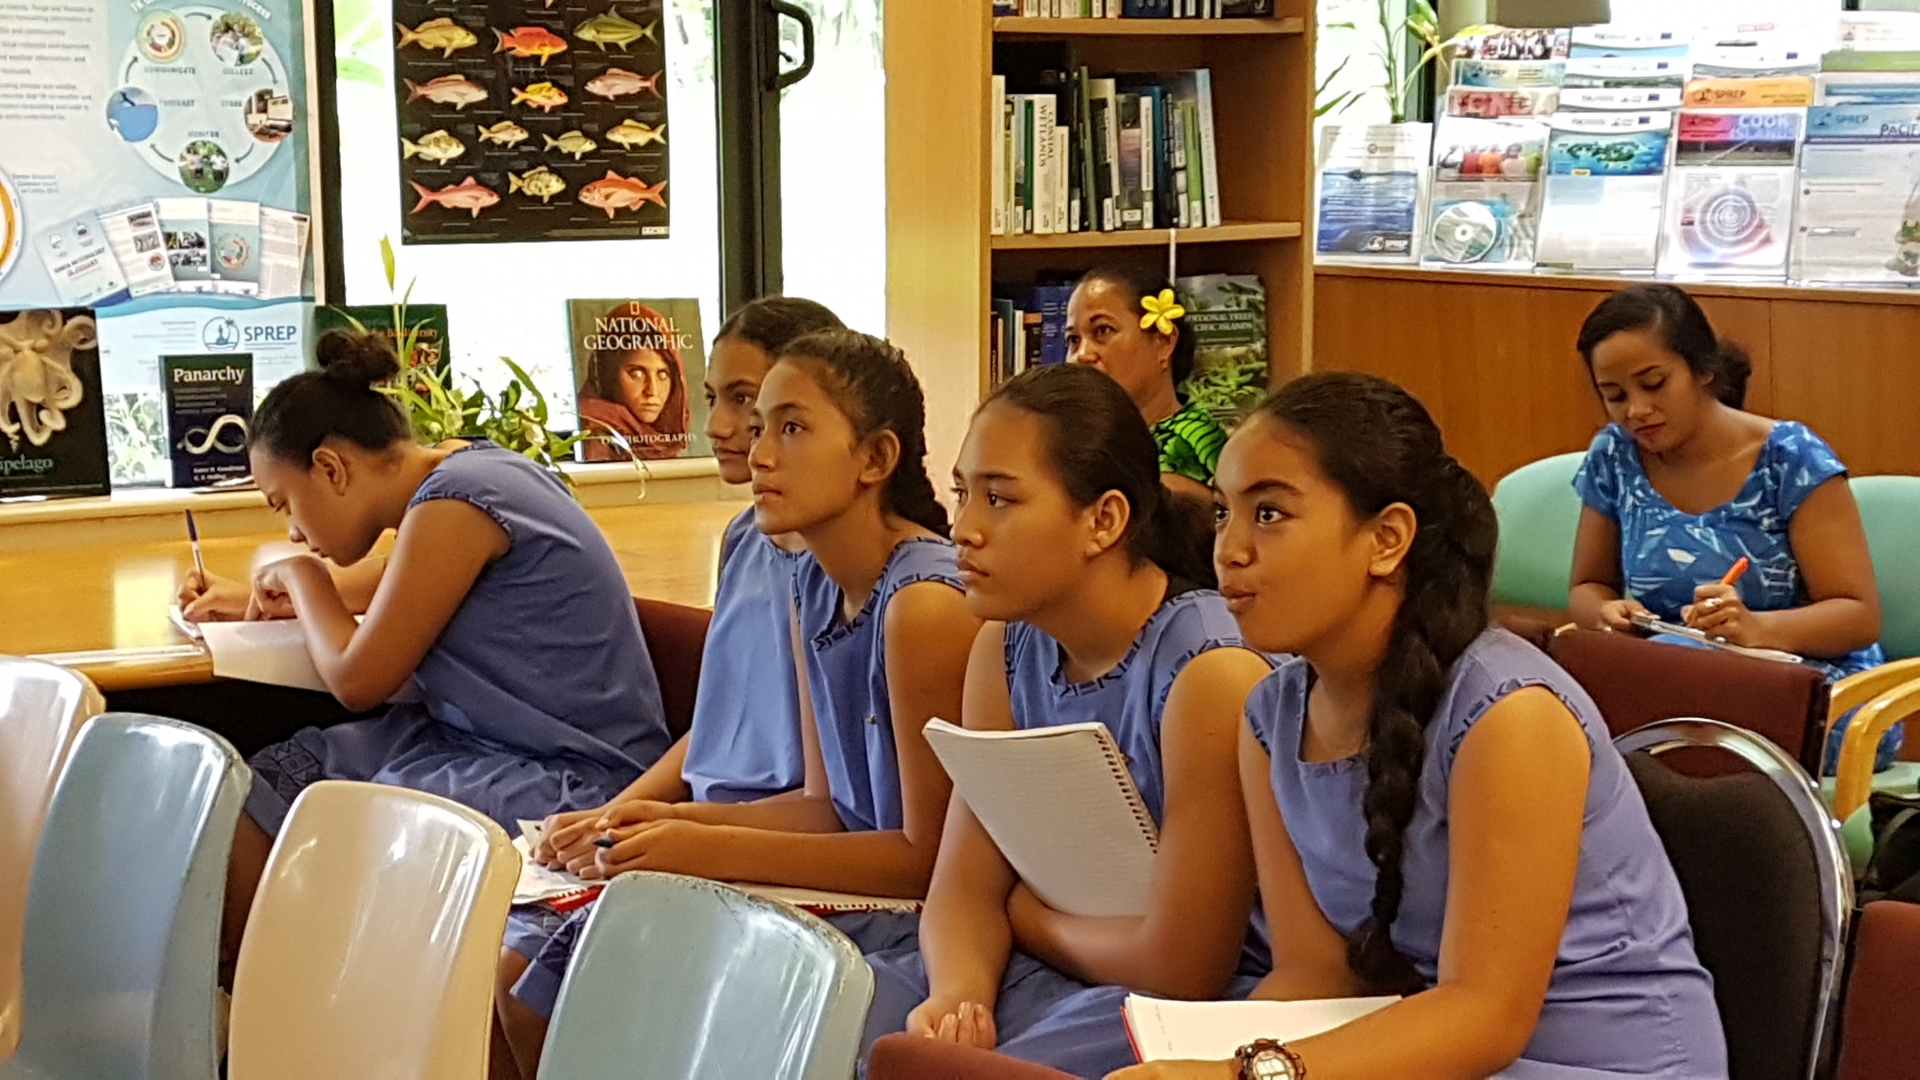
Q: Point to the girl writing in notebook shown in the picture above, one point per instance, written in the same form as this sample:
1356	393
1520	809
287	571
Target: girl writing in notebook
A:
501	609
1123	320
1684	483
1101	609
1436	808
883	636
744	743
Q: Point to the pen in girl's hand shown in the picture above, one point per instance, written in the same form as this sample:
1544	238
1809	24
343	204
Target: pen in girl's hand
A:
199	561
1739	567
604	842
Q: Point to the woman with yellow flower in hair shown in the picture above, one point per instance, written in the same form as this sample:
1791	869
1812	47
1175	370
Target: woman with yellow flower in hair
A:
1125	321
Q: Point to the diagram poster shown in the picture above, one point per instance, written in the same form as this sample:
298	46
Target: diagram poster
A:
531	120
108	108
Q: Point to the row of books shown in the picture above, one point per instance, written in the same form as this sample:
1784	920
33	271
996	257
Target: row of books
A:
1134	9
1753	160
1226	314
1107	154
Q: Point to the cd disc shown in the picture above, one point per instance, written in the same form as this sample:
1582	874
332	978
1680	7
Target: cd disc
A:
1464	232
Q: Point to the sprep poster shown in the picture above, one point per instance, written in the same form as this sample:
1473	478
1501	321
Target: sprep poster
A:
531	120
152	146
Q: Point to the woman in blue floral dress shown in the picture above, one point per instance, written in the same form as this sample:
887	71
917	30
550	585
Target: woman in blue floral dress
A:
1684	483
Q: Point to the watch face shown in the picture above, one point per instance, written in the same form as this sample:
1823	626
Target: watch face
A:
1271	1065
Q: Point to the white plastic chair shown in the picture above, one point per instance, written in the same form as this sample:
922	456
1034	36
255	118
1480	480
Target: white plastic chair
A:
371	947
680	977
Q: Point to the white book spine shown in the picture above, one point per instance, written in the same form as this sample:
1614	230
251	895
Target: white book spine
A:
1110	132
997	172
1149	161
1046	164
1065	215
1177	154
1203	82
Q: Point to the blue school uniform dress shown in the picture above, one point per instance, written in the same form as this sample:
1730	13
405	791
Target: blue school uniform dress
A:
846	665
1628	996
538	696
1042	1015
1666	552
745	740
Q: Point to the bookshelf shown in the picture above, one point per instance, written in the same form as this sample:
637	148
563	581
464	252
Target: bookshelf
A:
942	260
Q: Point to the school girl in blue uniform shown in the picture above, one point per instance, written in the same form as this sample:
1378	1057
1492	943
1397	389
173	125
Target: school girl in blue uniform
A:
883	632
1096	583
1684	482
501	613
1436	808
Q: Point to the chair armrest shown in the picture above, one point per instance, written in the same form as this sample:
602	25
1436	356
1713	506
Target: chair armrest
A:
1854	777
1859	689
913	1057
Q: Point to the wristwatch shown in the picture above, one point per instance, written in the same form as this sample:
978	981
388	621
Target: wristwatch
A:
1266	1059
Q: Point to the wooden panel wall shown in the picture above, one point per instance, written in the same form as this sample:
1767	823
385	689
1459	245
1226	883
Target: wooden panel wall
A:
1494	359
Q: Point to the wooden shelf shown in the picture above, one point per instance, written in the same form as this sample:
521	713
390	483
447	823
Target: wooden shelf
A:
1147	27
1231	232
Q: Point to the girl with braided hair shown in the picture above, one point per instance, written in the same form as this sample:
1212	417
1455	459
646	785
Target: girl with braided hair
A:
1436	809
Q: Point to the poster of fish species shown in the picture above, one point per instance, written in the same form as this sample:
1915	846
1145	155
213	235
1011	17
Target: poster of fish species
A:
531	120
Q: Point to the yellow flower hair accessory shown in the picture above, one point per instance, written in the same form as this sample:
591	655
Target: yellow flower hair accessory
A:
1161	311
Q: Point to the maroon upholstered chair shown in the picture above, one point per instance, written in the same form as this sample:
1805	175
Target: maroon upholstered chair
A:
1636	682
1883	991
676	638
913	1057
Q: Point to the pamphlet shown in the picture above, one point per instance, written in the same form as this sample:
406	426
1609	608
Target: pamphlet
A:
1485	206
1509	74
188	235
1617	72
1370	187
1504	43
134	234
1730	202
1609	40
1606	174
80	264
1541	101
209	404
233	229
1859	207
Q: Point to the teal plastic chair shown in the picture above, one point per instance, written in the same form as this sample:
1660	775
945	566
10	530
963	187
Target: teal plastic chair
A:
1539	515
123	909
677	977
1890	509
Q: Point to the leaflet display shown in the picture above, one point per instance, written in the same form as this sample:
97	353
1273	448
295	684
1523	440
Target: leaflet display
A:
109	109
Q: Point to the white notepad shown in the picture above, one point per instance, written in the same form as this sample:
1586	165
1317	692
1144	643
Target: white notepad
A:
1216	1030
1061	805
273	652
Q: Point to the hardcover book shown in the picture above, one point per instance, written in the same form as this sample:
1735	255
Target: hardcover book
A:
55	434
209	405
638	366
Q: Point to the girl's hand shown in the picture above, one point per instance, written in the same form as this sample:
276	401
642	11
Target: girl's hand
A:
1179	1070
674	847
1718	612
948	1020
566	836
1618	615
273	585
634	812
212	599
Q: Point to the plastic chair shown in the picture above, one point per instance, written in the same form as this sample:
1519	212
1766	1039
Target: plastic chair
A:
41	708
1876	1031
371	947
122	941
912	1057
1768	889
1895	699
1890	510
1539	514
677	977
676	640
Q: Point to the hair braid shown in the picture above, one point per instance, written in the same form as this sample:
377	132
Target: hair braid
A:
1378	444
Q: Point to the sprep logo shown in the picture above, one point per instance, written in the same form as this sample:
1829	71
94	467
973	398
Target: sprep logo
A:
221	334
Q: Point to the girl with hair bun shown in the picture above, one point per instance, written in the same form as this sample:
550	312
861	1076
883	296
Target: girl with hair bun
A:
881	635
1436	808
1101	608
1123	320
1684	484
501	613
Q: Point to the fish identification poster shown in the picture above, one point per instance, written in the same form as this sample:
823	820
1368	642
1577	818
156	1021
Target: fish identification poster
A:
531	120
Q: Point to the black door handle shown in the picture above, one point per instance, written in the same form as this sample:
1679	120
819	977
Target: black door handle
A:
783	79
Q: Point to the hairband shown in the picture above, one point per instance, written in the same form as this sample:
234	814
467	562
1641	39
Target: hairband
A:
1161	311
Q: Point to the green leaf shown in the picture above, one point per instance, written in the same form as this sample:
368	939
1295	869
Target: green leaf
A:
359	71
386	261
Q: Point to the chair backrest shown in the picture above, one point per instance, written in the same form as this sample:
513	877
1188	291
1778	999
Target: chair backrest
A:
676	639
1636	682
1539	514
122	945
41	708
1890	510
1877	1039
1767	885
372	944
677	977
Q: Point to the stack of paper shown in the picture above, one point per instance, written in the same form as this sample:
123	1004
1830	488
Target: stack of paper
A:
1215	1030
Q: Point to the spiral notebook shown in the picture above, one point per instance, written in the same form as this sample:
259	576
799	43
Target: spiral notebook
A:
1061	805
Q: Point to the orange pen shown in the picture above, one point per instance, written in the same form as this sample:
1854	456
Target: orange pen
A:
1739	567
